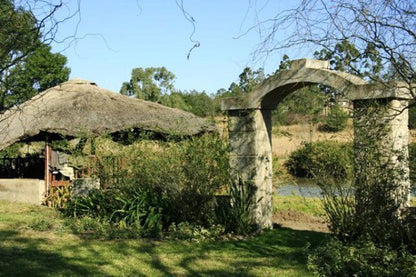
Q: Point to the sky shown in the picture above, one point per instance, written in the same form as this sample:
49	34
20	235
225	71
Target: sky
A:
117	36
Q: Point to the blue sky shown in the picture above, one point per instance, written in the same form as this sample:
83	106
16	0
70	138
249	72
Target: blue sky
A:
117	36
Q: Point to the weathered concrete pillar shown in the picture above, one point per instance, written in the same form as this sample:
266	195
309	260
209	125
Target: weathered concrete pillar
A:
251	156
381	169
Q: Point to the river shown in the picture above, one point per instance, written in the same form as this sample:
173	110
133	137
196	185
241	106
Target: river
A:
308	188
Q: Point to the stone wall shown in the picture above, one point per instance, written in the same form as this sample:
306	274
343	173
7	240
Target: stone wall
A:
29	191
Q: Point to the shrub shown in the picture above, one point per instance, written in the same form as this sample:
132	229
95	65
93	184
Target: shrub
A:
336	121
59	196
360	258
41	224
169	182
91	227
235	211
322	158
188	231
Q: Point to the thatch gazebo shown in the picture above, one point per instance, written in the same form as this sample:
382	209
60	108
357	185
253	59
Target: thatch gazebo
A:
79	108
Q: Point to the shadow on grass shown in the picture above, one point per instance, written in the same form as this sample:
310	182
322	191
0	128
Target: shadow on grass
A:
20	256
268	254
275	250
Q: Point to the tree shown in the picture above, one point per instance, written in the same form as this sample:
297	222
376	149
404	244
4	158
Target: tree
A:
149	83
347	58
27	25
385	29
247	81
39	71
26	64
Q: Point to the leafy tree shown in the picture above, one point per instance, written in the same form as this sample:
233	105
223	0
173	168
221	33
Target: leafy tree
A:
345	56
26	64
175	100
18	35
149	83
39	71
198	103
248	79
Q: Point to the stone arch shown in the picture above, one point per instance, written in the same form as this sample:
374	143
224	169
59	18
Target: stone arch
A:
249	122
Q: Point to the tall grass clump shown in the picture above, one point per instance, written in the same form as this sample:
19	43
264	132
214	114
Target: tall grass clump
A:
236	209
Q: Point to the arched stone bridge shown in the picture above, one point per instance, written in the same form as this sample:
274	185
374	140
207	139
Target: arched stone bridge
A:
250	126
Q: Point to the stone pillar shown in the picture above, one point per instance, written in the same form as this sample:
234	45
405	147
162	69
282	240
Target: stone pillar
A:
251	156
381	156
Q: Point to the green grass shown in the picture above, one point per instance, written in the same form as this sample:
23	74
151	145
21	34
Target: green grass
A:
35	242
307	205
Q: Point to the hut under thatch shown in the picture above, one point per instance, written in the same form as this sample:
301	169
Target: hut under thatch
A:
79	108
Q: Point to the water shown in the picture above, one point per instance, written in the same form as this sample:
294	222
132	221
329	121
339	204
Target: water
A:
308	188
301	187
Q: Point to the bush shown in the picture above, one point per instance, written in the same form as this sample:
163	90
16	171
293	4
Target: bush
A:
90	227
171	182
188	231
322	158
235	211
360	258
336	121
41	224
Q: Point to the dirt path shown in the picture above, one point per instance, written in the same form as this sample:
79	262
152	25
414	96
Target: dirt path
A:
300	221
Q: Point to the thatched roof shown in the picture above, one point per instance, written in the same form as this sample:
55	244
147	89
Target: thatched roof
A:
80	108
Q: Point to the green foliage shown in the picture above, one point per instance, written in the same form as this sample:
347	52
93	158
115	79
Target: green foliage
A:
59	197
196	233
302	106
248	79
27	66
381	197
198	103
41	224
18	35
346	57
322	158
360	258
149	83
12	151
172	182
90	227
97	203
39	71
340	208
235	212
336	121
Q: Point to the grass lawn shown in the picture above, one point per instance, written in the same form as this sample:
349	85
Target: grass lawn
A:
307	205
35	242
